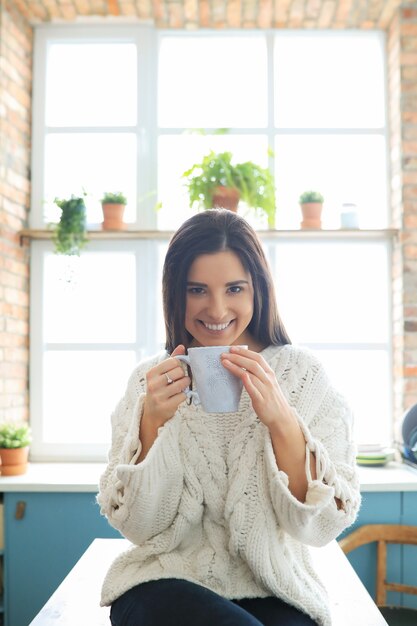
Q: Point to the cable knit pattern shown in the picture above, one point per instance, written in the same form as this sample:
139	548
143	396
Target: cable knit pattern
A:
209	504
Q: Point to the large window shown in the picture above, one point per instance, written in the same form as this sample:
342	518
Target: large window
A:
130	108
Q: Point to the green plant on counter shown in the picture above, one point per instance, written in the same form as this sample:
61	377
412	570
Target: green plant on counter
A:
114	198
311	196
70	234
15	435
255	184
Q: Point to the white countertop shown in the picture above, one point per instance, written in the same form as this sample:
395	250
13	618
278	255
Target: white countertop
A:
55	477
84	477
392	477
349	602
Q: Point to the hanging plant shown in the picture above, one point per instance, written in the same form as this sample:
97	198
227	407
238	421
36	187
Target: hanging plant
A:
70	234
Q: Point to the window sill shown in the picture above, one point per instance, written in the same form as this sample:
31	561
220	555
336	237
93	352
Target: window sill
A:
84	477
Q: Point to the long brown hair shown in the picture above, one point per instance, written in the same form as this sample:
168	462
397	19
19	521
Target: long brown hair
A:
208	232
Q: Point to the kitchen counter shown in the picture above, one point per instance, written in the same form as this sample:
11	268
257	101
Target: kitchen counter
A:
84	477
60	477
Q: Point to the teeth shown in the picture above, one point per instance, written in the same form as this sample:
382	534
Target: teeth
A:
216	326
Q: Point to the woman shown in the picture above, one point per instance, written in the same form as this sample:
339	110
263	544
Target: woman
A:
221	508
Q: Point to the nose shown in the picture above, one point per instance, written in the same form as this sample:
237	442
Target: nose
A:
216	308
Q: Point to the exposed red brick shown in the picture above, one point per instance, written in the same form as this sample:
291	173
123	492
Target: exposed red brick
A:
205	14
265	13
409	28
296	14
409	177
410	221
312	12
281	12
234	13
15	113
128	8
409	13
410	147
175	15
191	13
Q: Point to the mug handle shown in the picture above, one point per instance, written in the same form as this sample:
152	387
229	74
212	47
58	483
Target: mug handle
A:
191	395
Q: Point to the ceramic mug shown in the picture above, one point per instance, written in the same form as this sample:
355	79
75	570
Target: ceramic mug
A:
217	389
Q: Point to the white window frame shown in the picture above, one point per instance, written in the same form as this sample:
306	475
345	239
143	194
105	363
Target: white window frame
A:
144	37
145	252
147	40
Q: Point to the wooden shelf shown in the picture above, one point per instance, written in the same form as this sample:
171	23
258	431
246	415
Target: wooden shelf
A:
165	235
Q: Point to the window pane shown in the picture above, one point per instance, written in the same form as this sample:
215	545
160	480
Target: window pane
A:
80	84
201	82
329	81
344	168
333	292
99	302
179	153
92	162
81	390
364	379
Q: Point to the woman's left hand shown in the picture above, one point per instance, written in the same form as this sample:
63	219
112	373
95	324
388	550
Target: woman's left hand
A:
259	380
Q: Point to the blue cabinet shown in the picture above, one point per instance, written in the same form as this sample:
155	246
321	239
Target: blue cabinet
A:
45	535
387	508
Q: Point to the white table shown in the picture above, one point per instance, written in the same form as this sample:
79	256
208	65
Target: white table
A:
77	599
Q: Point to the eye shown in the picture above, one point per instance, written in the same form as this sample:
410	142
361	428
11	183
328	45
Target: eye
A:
235	289
195	291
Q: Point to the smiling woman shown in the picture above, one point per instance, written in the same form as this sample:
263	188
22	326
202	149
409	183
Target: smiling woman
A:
276	474
207	274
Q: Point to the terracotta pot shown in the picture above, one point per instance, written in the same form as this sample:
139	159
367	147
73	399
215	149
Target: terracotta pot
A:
14	461
113	216
311	214
226	198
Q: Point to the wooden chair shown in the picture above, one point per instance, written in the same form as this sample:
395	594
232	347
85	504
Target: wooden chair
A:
383	534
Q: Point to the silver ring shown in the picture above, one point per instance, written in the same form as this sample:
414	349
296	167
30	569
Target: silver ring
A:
169	380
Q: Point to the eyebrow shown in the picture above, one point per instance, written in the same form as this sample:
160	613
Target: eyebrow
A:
230	284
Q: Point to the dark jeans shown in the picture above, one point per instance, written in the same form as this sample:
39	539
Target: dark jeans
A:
173	602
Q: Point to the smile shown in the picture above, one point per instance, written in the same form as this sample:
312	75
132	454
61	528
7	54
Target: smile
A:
217	326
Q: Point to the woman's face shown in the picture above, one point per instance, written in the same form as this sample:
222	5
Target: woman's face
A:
219	301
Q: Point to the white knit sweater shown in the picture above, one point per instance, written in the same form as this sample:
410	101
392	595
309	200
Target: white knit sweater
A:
209	504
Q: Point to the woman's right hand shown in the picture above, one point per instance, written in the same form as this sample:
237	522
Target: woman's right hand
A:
162	396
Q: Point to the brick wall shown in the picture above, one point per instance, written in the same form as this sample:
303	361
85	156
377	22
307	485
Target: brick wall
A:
222	13
403	118
395	123
15	104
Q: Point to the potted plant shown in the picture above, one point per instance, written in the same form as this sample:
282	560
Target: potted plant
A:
70	232
113	205
311	203
216	182
14	448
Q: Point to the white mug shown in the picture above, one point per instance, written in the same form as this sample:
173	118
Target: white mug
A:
217	389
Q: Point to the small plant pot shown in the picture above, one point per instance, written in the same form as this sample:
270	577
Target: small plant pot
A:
113	216
311	214
226	198
14	461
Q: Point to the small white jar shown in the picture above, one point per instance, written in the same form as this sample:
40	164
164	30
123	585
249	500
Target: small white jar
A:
349	217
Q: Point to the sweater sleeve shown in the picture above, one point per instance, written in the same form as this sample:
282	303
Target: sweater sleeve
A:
140	500
326	421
